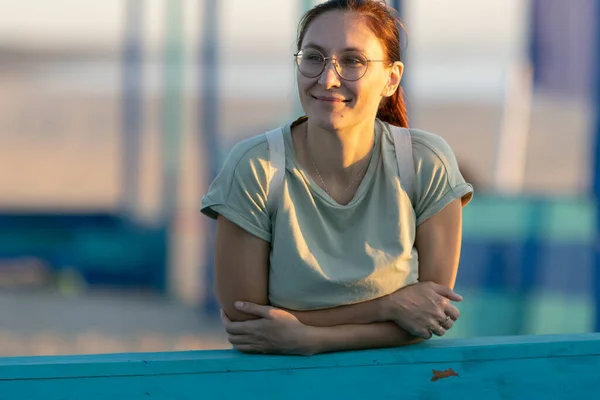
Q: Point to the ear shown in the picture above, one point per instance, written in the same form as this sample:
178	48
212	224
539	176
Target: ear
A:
394	78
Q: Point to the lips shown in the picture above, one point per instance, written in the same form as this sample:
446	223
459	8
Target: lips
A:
330	99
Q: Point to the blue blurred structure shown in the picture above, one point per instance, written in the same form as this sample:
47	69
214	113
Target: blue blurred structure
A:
526	265
568	70
106	249
209	123
596	166
397	4
562	46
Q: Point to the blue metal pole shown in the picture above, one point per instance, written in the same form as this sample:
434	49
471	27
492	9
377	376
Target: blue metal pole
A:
209	123
131	118
596	167
535	9
397	4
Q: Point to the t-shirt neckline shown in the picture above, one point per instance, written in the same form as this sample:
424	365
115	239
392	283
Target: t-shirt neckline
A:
295	167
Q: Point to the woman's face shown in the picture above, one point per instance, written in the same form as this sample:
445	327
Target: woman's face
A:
330	101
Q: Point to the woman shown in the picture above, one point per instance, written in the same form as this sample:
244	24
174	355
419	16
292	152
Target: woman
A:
348	258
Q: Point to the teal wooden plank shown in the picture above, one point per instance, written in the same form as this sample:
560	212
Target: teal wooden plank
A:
559	376
222	361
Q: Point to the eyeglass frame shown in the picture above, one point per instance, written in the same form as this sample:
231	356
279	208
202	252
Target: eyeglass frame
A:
298	56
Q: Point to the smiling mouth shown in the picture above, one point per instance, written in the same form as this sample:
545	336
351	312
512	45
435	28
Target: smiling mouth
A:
330	99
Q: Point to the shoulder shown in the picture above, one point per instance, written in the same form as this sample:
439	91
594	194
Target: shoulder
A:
251	150
245	168
240	189
428	148
438	175
248	161
431	148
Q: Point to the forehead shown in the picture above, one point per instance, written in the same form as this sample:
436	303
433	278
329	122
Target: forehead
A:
335	31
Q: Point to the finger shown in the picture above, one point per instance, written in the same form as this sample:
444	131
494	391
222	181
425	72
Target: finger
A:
447	323
438	331
224	318
451	311
241	328
448	293
424	334
254	309
239	339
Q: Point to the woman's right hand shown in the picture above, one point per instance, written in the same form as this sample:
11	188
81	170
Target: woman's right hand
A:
423	309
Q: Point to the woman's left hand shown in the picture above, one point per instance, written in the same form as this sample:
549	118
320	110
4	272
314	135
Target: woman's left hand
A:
275	332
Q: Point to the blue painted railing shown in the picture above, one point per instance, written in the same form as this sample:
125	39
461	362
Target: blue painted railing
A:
521	367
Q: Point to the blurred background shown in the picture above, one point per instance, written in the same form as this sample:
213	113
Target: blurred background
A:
115	116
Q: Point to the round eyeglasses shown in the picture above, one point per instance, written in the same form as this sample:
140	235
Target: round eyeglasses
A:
350	66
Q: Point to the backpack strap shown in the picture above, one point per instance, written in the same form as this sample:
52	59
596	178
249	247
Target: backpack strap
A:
404	157
277	158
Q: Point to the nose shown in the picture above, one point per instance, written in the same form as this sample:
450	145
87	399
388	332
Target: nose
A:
329	77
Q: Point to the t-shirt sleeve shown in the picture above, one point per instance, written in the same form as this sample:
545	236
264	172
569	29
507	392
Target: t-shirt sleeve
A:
239	192
438	180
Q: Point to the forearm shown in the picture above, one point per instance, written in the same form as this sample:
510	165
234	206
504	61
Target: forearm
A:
362	313
360	337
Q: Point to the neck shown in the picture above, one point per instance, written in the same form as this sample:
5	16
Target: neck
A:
340	153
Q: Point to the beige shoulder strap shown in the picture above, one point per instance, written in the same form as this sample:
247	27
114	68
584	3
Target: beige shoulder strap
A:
404	157
277	158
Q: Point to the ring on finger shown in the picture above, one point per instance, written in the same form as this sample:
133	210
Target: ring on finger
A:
446	323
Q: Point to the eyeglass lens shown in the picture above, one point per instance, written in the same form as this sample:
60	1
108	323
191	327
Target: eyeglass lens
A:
349	65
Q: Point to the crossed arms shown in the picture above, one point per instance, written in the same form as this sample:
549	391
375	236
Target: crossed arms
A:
404	317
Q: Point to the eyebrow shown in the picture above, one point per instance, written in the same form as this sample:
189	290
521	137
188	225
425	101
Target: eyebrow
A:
322	50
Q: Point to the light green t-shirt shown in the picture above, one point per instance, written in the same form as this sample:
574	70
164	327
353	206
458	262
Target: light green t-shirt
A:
324	254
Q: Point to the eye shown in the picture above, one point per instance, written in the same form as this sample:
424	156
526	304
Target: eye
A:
352	61
313	57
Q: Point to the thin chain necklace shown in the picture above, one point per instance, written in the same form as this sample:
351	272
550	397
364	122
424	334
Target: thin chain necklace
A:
321	177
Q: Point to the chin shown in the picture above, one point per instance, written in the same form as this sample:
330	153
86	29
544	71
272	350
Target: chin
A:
330	121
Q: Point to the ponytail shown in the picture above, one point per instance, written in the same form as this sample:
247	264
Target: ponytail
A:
393	109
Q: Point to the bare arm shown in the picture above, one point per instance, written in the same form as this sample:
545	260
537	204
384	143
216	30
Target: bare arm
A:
241	268
360	337
438	242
